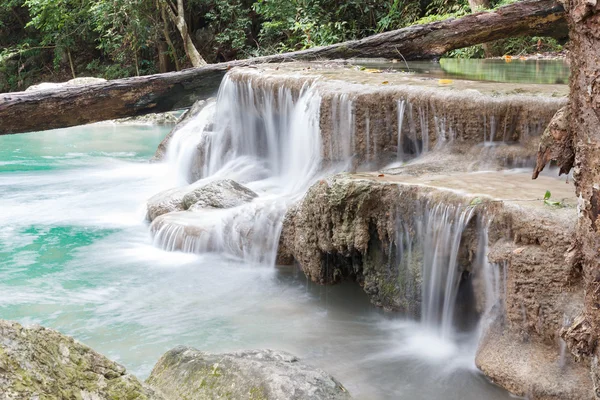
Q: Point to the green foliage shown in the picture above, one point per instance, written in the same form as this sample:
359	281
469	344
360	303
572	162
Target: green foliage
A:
120	38
298	24
452	7
551	203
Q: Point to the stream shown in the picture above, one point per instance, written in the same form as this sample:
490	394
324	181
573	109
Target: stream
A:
76	255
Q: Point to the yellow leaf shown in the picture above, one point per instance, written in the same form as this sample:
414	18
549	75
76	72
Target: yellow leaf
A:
445	81
385	82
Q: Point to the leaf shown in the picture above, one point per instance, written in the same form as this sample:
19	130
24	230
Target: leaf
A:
547	195
553	203
476	201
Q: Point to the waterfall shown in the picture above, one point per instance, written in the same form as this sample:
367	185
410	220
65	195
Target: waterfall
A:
267	138
183	147
442	228
401	105
432	248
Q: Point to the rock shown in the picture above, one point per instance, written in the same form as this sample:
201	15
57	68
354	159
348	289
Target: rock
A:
224	193
218	194
41	363
165	202
531	368
71	83
149	119
186	373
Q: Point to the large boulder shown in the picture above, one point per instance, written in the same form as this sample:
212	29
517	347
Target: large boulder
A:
40	363
224	193
167	201
186	373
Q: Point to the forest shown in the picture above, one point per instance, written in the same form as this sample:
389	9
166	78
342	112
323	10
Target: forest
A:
56	40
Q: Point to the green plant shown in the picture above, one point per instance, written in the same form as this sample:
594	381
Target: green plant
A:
551	203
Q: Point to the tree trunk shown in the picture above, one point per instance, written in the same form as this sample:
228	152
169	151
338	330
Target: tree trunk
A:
164	92
71	64
167	36
177	15
480	5
164	61
584	128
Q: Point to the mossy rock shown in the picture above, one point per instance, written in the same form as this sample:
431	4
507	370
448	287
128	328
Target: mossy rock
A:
186	373
41	363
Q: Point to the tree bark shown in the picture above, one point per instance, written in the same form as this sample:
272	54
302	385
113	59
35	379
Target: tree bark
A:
167	36
584	129
164	92
177	15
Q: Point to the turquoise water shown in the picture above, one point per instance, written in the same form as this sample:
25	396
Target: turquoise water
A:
76	255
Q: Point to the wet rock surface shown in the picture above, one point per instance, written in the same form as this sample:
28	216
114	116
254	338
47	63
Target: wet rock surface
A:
224	193
167	118
532	369
186	373
346	227
167	201
219	194
40	363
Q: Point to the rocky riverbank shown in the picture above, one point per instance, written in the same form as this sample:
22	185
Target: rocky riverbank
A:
444	210
41	363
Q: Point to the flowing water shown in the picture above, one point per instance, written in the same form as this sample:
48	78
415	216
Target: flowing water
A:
77	254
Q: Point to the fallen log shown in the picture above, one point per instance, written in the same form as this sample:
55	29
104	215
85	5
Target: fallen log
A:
59	108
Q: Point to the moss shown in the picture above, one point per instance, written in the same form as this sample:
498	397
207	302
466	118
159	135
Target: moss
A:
57	367
257	393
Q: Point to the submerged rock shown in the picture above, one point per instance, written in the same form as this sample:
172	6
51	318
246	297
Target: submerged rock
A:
186	373
41	363
218	194
224	193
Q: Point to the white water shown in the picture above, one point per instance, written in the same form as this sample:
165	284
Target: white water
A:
133	301
269	139
265	138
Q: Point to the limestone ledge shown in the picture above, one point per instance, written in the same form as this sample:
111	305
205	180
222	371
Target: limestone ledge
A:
346	227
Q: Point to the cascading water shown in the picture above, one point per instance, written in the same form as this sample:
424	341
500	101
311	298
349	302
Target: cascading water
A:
442	230
268	138
263	137
183	147
429	248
